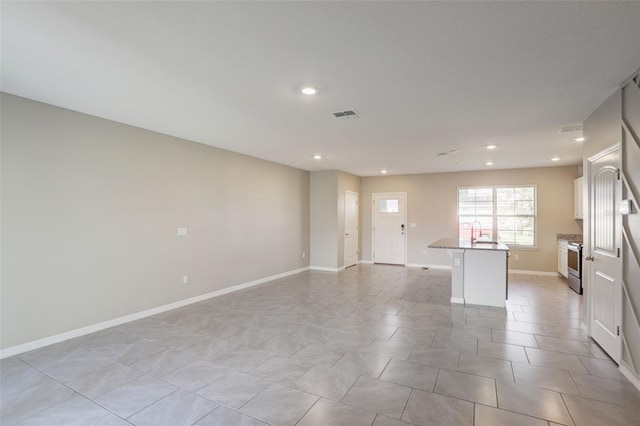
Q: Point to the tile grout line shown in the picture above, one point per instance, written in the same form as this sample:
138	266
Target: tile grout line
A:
406	403
94	399
147	406
349	390
374	419
435	383
514	412
205	415
573	380
68	387
383	370
309	409
567	407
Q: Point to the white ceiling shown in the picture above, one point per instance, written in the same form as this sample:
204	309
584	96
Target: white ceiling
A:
426	77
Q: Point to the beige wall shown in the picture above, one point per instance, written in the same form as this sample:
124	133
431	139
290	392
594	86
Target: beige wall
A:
346	182
327	190
432	206
90	210
324	219
631	225
604	128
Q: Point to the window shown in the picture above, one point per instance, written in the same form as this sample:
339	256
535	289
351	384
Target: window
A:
507	214
388	206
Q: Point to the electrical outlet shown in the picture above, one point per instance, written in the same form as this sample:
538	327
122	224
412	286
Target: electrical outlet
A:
304	255
183	232
185	279
516	257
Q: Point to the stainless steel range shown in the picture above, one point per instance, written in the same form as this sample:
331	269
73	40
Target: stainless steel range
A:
574	261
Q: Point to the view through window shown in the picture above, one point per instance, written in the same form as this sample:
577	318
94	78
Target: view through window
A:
507	214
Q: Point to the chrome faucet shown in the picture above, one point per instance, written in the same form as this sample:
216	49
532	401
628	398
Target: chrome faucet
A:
473	232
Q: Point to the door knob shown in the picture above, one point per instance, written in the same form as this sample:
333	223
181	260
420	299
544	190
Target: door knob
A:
589	258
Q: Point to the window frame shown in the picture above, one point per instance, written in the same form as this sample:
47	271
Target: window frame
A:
494	216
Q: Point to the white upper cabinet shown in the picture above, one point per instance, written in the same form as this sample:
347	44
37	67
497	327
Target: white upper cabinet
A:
577	199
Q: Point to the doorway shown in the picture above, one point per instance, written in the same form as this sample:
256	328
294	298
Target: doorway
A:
389	228
350	228
605	285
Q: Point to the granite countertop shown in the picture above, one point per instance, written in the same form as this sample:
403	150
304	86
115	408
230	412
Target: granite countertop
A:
570	237
466	244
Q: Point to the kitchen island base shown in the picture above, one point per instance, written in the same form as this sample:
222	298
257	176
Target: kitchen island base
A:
485	278
478	272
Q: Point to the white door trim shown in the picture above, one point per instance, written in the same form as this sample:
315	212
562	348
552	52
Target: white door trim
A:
357	228
587	266
604	152
373	222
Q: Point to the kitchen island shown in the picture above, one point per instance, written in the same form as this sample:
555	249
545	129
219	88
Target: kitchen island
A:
478	271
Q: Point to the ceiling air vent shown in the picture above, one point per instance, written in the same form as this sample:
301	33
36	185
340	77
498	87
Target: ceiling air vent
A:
568	129
346	114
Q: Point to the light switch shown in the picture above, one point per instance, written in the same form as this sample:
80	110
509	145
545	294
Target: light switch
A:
182	232
412	225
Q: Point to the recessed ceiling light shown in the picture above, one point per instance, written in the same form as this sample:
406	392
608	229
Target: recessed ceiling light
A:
580	139
555	158
309	90
492	146
318	157
383	171
454	151
489	163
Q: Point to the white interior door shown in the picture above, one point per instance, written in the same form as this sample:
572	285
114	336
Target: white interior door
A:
350	228
389	228
605	286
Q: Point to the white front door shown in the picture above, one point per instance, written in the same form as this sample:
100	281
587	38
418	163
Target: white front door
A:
389	228
605	286
350	228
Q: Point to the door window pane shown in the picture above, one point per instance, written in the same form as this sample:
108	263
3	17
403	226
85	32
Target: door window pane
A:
389	206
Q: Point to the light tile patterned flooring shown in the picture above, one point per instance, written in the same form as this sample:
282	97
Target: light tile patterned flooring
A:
373	345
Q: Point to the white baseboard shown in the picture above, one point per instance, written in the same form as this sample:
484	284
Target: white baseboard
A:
459	300
366	261
629	374
421	265
439	266
326	268
57	338
525	272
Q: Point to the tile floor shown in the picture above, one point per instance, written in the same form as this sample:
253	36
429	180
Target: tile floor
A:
373	345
